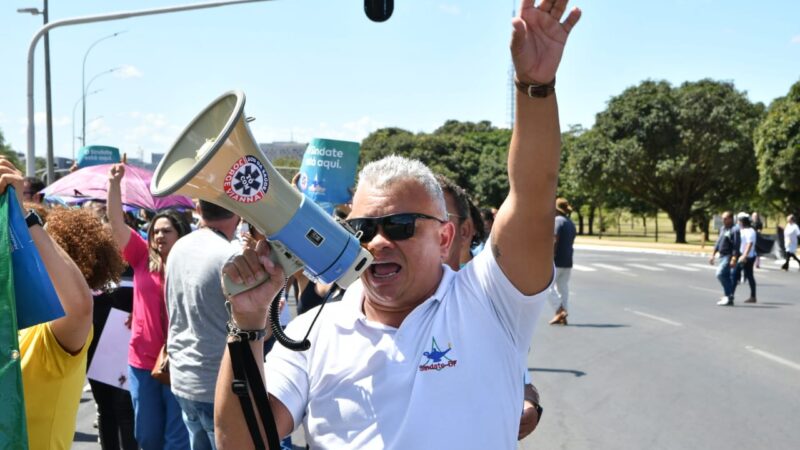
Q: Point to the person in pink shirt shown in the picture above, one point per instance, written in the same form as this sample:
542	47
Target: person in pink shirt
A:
157	415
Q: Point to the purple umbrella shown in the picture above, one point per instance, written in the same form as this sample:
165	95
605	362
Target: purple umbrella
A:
92	183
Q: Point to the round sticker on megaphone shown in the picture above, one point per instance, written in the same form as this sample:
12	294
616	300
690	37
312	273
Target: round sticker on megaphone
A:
247	180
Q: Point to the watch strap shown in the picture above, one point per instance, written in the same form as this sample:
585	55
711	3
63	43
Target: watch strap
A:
536	90
33	218
245	335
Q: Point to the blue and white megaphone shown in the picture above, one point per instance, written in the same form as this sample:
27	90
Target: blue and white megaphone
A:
216	159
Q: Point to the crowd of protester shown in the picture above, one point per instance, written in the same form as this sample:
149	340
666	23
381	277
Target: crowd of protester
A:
143	263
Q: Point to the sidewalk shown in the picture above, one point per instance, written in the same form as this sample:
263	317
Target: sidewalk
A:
612	244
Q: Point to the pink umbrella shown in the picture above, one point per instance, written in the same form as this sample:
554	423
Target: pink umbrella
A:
92	183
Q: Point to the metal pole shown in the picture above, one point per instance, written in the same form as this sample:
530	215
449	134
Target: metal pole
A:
83	76
48	100
74	107
30	165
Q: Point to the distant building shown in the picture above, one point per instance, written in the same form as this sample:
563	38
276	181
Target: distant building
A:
278	150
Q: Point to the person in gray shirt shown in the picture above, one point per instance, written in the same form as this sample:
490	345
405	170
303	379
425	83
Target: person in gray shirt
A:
564	238
197	318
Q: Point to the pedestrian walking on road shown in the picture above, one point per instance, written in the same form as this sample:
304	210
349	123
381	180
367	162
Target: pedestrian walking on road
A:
747	255
726	247
790	235
564	239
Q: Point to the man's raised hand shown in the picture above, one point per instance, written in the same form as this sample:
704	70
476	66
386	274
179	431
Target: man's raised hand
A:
538	40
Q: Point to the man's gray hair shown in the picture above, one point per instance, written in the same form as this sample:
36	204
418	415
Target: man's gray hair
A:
384	172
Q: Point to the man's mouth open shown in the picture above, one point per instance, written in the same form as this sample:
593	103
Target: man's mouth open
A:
383	271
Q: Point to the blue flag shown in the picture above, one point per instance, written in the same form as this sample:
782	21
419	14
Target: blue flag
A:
37	301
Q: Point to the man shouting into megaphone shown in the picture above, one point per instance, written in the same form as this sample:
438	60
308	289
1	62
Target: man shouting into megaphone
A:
413	348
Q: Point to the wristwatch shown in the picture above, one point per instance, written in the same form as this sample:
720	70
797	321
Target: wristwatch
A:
33	218
534	90
245	335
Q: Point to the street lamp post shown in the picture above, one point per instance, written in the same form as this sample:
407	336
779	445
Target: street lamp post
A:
47	89
74	107
83	77
30	163
85	89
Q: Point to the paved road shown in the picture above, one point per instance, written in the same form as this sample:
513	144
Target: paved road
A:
649	360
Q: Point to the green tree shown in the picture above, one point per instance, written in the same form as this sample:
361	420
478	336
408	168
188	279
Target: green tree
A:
473	155
672	147
486	163
385	142
777	142
8	152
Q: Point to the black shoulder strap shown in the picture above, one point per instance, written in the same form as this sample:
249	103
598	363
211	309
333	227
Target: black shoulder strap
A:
244	370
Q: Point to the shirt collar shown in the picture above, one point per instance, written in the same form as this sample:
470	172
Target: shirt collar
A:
351	310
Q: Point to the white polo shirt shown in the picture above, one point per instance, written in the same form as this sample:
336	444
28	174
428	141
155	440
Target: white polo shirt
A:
449	377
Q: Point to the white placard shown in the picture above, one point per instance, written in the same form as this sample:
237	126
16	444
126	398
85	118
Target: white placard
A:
110	361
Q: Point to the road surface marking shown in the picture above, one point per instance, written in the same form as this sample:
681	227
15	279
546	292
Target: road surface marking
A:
610	267
617	269
675	266
772	357
581	268
660	319
646	267
704	266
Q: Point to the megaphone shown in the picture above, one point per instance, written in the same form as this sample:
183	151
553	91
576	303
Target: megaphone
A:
216	159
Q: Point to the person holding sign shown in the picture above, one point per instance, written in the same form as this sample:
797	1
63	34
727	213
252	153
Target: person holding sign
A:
405	358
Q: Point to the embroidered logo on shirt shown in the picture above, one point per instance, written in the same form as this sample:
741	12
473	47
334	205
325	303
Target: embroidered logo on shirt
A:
436	358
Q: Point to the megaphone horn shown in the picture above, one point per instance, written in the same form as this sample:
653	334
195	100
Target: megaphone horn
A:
216	159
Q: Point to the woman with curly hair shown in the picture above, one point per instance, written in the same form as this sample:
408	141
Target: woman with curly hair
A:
53	354
158	423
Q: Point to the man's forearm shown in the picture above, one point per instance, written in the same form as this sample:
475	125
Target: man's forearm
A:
230	428
521	238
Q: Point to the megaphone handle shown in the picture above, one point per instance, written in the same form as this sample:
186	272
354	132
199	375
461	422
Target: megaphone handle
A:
279	255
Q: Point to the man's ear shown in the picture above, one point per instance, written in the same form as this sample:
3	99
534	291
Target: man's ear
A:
466	230
447	233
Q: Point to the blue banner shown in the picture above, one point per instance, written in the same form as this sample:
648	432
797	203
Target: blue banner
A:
328	172
37	301
94	155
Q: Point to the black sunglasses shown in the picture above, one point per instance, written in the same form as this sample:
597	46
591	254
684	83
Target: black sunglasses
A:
396	227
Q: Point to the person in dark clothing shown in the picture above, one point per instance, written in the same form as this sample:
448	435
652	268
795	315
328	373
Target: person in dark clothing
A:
563	240
746	256
726	247
114	406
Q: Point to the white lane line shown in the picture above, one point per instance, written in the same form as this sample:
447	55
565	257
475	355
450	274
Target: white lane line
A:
610	267
581	268
650	316
646	267
703	266
616	269
774	358
677	267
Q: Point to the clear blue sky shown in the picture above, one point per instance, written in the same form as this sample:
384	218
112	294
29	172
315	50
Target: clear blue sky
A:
320	68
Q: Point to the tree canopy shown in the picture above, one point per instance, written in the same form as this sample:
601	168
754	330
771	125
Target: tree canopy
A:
777	142
675	147
6	151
